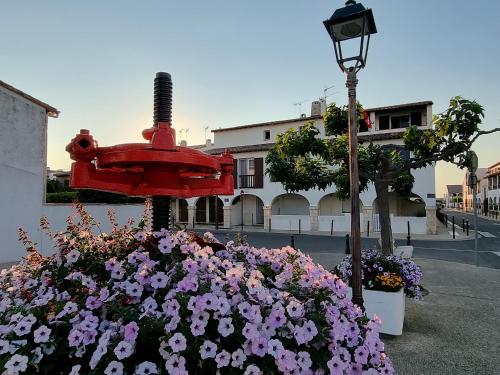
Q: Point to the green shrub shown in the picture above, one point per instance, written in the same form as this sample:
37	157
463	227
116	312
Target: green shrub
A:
62	197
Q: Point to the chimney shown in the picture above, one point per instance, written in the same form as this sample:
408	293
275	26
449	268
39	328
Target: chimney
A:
316	108
323	105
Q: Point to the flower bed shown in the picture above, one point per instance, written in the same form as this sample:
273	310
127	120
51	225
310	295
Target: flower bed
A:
384	273
134	302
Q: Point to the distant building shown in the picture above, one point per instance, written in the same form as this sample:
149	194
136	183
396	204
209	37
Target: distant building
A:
265	202
453	197
23	166
493	188
60	176
480	194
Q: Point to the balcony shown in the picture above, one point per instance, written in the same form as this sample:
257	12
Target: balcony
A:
246	180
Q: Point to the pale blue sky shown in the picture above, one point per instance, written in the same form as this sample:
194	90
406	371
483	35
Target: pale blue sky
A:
238	62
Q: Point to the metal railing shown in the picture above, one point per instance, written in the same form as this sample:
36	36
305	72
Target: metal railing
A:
247	181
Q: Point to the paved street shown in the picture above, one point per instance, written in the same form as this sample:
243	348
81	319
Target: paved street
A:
458	250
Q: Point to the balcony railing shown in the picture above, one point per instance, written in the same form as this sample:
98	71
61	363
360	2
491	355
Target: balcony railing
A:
247	181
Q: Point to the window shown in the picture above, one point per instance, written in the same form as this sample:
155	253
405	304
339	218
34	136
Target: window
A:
398	122
416	118
383	122
267	135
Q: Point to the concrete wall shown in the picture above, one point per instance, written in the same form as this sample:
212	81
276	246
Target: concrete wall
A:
23	145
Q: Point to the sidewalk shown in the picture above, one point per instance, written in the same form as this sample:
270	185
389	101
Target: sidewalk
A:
454	330
495	219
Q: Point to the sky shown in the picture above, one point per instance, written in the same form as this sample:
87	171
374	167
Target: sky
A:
241	62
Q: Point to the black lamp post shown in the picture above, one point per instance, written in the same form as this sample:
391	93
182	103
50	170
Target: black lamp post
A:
241	203
351	22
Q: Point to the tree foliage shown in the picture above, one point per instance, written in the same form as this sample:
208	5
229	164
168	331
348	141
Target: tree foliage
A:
303	159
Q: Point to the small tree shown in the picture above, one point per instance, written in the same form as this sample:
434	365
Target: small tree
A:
302	160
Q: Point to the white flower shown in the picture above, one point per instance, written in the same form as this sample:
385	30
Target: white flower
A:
208	350
4	346
75	370
114	368
146	368
16	364
72	256
175	364
42	334
123	350
252	370
177	342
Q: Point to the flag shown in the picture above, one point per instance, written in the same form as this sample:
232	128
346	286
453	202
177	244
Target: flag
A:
366	117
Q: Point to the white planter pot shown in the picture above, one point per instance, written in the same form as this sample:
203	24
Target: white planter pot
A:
388	306
404	251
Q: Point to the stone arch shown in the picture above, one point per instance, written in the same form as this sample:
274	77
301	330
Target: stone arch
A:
206	210
332	205
253	210
290	204
181	210
413	205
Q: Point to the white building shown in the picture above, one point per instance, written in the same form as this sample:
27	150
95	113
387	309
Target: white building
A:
481	193
453	196
23	167
267	203
492	189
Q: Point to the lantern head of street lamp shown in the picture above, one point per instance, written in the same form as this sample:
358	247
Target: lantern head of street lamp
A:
353	21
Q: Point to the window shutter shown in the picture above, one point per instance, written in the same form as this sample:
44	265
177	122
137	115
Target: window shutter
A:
259	172
235	173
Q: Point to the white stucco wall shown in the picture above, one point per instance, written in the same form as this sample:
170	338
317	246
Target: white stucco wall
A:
255	135
23	144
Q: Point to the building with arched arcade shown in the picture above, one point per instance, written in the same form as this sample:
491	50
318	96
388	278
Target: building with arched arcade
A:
258	201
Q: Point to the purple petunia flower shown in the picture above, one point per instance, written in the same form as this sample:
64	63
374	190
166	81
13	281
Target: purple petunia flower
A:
41	334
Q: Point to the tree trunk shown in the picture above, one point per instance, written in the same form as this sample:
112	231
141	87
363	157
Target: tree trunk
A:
382	190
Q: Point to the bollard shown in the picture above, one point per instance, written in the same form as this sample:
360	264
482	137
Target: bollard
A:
453	225
269	225
368	228
292	241
467	224
331	229
408	237
463	225
347	250
300	226
446	220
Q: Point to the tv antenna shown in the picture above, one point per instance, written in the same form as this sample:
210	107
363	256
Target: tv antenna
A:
299	104
206	128
325	90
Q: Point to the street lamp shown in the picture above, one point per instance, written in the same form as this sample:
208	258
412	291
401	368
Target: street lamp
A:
473	164
356	23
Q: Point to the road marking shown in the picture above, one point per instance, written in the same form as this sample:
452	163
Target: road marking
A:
487	234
